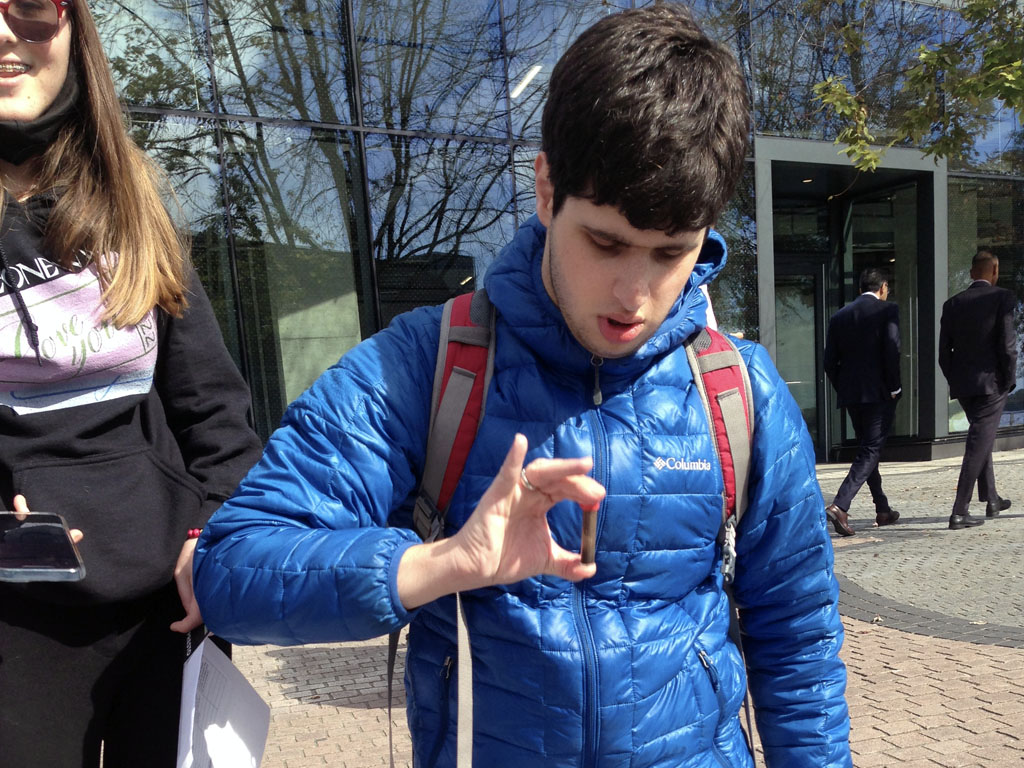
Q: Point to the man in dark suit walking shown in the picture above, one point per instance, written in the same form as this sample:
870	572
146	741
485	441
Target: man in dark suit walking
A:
862	360
978	357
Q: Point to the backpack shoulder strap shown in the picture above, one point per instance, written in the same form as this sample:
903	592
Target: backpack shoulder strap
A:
462	374
724	385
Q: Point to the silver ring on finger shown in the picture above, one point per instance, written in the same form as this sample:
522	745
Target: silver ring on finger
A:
525	482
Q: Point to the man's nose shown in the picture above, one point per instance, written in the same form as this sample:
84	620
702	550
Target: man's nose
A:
632	286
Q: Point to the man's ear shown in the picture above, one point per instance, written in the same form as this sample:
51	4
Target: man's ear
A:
545	190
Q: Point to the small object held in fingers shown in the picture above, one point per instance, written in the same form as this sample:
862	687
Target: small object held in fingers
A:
589	538
525	481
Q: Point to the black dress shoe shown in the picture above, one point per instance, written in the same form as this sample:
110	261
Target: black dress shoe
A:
993	508
956	522
839	520
887	517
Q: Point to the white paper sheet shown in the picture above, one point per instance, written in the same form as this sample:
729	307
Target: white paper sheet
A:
224	722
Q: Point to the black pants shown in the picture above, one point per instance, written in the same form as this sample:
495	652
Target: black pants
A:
871	424
73	677
983	412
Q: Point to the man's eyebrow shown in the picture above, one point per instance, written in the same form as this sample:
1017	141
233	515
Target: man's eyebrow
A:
668	248
603	235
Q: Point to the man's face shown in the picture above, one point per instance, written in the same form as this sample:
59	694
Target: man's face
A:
613	283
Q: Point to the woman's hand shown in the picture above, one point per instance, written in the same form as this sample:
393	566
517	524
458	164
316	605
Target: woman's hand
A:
183	580
21	509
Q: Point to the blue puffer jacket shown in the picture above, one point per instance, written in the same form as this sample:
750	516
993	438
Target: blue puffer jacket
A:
630	668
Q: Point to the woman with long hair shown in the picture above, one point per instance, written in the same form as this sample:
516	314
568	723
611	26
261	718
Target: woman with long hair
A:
120	407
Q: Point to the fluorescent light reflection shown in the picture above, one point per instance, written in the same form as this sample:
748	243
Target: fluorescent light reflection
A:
536	68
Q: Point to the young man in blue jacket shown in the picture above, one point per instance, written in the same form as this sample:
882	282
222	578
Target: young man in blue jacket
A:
627	661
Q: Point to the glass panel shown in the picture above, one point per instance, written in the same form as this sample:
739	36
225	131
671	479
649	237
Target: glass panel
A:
989	214
296	244
186	149
155	48
525	181
801	246
795	348
885	235
442	210
1000	144
796	45
282	59
432	65
734	292
997	130
538	33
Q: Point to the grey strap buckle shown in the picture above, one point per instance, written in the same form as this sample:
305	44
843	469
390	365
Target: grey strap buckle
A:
426	519
729	550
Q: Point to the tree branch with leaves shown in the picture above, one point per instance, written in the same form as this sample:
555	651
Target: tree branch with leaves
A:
955	85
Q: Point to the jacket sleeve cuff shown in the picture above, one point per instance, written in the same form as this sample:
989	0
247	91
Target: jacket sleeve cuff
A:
402	614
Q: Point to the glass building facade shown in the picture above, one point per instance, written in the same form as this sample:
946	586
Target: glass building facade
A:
338	162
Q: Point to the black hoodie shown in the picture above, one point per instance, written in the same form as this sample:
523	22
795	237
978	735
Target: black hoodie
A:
134	435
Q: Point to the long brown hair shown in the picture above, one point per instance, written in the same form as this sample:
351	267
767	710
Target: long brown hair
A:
110	195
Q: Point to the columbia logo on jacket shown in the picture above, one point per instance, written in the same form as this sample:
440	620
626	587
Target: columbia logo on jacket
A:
679	465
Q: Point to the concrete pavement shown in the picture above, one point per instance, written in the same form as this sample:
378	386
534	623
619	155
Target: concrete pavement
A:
934	643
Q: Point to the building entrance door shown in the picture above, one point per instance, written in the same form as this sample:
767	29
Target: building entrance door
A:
802	255
828	225
883	227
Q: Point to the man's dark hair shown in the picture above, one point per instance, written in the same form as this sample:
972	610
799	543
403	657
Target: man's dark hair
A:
983	263
872	278
648	114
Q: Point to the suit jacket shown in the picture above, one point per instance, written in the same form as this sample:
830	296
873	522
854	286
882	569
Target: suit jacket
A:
978	341
862	351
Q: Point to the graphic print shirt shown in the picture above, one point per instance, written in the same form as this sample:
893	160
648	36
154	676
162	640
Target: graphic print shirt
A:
78	358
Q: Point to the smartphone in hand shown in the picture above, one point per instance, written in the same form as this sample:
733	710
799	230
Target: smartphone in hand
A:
37	546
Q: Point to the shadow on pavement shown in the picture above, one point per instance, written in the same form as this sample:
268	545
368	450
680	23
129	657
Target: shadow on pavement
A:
342	675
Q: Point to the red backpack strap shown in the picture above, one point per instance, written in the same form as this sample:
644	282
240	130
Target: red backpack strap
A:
462	375
465	358
724	385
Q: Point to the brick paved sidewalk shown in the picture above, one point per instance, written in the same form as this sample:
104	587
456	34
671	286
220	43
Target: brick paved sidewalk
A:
915	702
328	704
923	702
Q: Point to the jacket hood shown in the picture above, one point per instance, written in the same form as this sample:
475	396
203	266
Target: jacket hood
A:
516	289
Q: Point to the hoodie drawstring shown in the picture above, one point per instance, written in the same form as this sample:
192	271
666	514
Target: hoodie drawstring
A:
26	316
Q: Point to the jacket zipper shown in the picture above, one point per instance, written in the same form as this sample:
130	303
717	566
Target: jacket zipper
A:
443	706
591	702
597	396
591	721
709	667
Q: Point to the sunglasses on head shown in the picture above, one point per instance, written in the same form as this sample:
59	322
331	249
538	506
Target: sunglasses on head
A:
34	21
